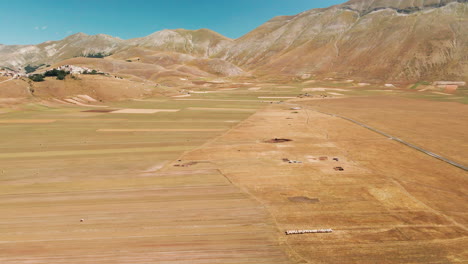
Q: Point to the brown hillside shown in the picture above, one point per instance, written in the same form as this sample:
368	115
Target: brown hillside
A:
98	87
362	39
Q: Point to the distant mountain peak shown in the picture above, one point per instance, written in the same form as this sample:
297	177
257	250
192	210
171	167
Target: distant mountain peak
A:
106	36
79	34
402	6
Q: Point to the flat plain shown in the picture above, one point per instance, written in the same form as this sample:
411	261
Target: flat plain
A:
73	194
208	185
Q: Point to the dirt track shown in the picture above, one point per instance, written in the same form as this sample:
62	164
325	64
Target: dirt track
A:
451	162
438	127
6	80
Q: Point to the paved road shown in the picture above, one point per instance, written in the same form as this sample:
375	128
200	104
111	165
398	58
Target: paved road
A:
427	152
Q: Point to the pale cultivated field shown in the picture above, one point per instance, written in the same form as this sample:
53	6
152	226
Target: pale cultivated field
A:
144	111
136	205
27	121
160	130
222	109
205	186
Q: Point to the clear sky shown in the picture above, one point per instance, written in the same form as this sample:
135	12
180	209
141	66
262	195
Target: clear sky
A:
36	21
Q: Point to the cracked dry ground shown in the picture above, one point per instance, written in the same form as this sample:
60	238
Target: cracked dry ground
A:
391	204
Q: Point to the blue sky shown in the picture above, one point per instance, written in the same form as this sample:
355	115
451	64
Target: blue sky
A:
36	21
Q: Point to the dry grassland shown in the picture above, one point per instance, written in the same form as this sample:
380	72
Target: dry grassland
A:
390	204
441	127
71	195
203	189
143	111
27	121
160	130
222	109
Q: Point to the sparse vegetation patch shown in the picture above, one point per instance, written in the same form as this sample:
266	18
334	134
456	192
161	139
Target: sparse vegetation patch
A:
60	74
416	85
93	72
29	68
98	55
36	77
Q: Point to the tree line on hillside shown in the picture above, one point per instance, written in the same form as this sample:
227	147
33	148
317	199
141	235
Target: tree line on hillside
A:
31	68
60	74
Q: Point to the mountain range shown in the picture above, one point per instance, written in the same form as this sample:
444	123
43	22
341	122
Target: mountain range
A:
384	40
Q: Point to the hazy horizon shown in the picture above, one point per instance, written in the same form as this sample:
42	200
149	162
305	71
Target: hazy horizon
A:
33	22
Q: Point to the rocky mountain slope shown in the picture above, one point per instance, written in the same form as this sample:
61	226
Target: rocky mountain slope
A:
402	6
382	39
201	43
19	56
397	40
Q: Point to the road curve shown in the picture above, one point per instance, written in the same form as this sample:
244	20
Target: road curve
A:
451	162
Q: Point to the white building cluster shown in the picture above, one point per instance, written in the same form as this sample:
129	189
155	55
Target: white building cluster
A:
74	69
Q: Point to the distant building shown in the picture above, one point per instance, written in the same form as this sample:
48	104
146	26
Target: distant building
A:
449	86
74	69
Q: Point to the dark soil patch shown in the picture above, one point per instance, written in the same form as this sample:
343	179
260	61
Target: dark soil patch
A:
303	199
278	140
188	164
